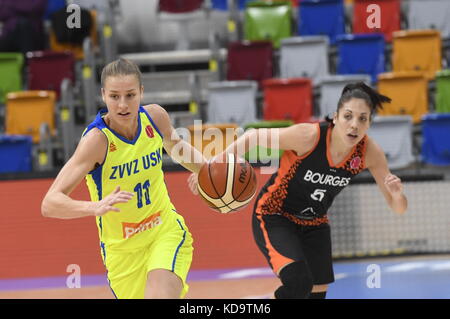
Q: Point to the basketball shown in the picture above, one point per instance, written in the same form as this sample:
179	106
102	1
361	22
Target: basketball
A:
227	183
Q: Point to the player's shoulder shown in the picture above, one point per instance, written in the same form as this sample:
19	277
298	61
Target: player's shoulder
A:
159	116
155	110
94	135
93	140
301	137
307	132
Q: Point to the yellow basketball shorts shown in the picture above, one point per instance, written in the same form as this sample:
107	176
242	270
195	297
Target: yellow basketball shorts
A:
171	249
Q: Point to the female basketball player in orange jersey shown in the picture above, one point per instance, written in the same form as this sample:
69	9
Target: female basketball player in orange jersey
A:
145	244
290	223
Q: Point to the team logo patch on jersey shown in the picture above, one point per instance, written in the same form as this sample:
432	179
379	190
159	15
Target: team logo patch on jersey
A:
149	131
112	147
131	229
354	164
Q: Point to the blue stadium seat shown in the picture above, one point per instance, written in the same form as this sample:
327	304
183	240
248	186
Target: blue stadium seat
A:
324	17
53	6
223	4
15	153
436	144
361	54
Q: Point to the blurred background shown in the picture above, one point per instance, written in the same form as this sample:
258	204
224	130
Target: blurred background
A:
229	64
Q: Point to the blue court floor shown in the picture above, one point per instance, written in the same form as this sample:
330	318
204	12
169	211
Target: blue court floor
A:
409	278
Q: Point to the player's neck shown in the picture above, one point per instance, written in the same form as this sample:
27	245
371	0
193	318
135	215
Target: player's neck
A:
128	131
337	145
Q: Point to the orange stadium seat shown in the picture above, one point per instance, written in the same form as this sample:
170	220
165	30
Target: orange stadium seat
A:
408	91
414	50
211	139
27	110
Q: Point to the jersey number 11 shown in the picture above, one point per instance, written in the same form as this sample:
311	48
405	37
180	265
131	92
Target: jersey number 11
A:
143	189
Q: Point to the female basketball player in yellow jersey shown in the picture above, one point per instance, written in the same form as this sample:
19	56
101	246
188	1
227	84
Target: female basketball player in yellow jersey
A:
145	244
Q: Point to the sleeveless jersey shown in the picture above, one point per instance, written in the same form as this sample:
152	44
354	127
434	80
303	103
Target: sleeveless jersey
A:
135	166
304	187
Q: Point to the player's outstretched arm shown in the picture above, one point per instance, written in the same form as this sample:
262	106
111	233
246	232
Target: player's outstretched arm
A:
177	148
299	138
390	185
58	204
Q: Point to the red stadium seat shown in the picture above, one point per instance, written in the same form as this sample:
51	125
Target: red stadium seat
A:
390	17
177	6
250	61
47	69
288	99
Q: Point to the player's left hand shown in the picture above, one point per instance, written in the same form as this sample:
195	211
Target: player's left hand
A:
394	185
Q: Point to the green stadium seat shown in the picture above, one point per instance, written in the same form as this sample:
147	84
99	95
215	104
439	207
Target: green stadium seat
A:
263	154
443	91
10	73
269	21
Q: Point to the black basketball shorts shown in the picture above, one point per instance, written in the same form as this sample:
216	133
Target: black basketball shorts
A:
282	241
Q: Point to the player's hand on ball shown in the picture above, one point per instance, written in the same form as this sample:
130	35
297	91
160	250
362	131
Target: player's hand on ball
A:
193	182
100	208
394	185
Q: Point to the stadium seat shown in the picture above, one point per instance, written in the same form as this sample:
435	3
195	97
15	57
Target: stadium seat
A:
288	99
176	6
15	153
27	110
250	61
443	91
267	21
431	14
61	64
232	102
325	17
390	17
414	50
436	142
263	154
223	4
331	89
408	91
53	6
182	13
361	54
394	134
304	57
76	49
212	139
11	65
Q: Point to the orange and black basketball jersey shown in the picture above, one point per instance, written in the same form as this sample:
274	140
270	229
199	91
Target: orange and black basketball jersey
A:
304	187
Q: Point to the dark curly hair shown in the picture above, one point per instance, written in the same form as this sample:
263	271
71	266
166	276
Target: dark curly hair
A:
360	90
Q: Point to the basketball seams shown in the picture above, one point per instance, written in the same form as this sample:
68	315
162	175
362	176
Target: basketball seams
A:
248	182
228	195
227	202
221	198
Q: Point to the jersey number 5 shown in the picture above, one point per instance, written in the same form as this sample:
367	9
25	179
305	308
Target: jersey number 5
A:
143	189
318	194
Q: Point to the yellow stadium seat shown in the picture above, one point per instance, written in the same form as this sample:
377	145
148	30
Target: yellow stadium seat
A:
417	50
211	139
27	110
408	91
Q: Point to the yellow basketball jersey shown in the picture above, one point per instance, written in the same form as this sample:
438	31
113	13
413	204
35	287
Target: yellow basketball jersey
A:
135	166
